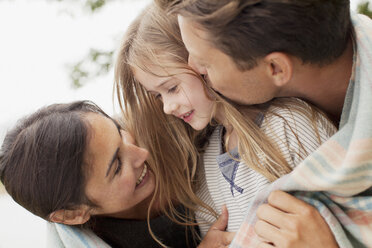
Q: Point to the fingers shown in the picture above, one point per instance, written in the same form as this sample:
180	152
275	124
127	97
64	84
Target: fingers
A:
266	231
265	245
216	235
289	222
221	222
272	215
287	203
228	237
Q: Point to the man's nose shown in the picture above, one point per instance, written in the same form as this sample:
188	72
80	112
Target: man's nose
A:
196	66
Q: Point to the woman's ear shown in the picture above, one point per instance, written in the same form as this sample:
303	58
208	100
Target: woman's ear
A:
280	67
71	217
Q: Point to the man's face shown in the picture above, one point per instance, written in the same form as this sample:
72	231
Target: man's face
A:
244	87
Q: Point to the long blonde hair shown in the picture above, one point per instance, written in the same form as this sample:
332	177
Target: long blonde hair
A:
154	39
170	141
256	149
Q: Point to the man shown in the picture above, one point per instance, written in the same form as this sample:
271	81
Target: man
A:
253	51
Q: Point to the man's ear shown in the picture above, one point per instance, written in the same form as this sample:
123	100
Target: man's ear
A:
280	68
71	217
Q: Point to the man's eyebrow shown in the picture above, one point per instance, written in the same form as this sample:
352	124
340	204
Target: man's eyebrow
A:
112	161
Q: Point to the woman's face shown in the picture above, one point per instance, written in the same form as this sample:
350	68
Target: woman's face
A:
119	181
183	94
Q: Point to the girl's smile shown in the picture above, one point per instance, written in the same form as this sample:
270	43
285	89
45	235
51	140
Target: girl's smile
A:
182	93
188	116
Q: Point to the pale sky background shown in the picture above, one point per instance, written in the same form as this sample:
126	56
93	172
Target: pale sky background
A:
38	39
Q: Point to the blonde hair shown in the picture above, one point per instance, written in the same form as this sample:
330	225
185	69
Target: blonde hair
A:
170	141
154	39
257	150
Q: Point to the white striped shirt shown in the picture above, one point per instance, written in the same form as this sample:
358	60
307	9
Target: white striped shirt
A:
215	190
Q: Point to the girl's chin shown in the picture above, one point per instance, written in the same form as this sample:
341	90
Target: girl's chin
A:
198	127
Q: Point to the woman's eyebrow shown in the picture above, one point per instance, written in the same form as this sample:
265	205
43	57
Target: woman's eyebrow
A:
119	128
112	162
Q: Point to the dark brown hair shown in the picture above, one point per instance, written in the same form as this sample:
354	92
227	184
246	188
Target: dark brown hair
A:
42	158
315	31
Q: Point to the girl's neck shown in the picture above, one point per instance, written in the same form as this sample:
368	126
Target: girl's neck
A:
229	136
231	140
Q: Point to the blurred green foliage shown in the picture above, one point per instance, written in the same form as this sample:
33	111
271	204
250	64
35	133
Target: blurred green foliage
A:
92	5
96	63
95	4
101	61
363	8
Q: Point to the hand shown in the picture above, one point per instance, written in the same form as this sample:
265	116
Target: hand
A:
217	236
287	222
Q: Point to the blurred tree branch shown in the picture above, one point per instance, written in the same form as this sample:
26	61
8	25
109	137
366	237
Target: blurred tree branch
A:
95	64
92	5
363	8
101	61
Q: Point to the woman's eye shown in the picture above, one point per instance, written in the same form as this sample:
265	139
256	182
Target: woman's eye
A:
118	168
173	89
158	96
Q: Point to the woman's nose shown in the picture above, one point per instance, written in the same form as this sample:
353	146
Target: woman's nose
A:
134	154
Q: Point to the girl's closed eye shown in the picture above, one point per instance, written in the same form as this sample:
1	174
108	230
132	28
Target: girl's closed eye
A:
173	89
158	96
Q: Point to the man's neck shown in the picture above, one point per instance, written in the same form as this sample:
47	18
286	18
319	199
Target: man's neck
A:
326	86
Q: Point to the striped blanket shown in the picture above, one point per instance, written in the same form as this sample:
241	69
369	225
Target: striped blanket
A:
337	178
63	236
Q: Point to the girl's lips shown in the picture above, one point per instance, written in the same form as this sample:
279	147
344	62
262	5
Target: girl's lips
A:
188	116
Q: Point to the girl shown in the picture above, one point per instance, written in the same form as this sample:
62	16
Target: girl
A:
247	148
73	164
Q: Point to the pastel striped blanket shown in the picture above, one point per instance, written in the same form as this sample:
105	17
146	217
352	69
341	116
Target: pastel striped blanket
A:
63	236
337	178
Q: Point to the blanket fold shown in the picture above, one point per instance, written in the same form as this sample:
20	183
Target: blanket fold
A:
337	177
64	236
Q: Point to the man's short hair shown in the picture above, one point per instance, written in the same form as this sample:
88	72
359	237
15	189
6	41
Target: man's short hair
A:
316	31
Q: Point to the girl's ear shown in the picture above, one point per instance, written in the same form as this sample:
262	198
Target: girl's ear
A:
280	68
71	217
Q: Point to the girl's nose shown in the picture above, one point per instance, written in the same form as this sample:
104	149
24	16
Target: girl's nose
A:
169	106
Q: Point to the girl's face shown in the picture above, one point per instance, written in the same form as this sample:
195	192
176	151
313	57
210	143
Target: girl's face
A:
119	181
183	94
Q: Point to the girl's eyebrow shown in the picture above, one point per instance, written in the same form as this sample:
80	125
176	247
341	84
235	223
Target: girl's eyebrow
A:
112	162
164	82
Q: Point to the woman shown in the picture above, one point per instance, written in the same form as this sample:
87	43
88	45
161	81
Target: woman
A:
75	165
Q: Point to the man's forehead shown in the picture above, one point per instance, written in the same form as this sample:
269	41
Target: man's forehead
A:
190	27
